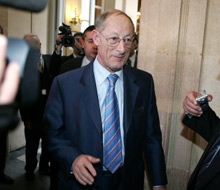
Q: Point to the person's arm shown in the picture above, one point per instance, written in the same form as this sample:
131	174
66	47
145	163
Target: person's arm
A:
68	156
191	106
9	77
55	60
153	151
204	123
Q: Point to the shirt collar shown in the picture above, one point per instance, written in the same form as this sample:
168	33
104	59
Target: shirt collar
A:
85	61
41	60
101	73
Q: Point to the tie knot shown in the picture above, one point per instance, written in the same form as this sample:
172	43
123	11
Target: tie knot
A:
112	78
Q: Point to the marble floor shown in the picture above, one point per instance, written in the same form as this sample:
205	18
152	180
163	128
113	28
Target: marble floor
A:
15	169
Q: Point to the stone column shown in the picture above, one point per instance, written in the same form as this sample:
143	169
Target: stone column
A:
171	48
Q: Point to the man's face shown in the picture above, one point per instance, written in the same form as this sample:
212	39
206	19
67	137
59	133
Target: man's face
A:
114	57
90	48
80	39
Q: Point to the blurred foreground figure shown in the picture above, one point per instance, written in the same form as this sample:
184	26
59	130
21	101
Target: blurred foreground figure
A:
9	77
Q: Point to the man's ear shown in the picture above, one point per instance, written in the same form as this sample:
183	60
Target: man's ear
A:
95	37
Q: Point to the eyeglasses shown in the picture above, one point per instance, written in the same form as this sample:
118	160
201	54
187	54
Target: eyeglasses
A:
114	41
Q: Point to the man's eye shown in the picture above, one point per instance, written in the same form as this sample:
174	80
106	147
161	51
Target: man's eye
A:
127	40
114	39
90	41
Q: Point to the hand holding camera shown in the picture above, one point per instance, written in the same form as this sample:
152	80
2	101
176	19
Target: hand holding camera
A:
196	104
65	36
66	39
58	43
203	101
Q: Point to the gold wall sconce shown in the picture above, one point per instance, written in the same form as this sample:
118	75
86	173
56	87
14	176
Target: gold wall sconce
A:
75	18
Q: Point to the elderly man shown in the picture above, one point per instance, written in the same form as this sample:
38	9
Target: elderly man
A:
102	119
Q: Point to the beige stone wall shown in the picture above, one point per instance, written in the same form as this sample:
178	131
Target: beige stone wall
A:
4	19
179	46
16	23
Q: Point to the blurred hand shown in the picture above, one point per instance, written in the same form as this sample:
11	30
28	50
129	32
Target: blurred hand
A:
83	169
9	76
190	104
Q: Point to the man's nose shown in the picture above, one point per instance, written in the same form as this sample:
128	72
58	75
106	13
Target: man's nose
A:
121	46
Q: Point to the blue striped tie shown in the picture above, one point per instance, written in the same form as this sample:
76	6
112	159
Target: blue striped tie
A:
112	135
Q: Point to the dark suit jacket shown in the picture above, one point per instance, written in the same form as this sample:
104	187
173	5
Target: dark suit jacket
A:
36	113
208	126
73	119
71	64
56	61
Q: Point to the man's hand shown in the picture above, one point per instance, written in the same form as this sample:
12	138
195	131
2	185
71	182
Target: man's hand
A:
160	188
190	104
9	76
83	169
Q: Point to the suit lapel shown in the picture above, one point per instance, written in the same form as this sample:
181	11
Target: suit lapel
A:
90	97
130	94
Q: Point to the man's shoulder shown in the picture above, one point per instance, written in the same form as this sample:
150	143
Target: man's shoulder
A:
71	64
138	73
73	60
71	74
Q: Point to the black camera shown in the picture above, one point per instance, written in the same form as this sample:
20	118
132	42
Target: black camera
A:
203	101
67	40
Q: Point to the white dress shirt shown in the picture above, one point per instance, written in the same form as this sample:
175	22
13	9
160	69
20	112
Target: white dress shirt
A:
85	61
